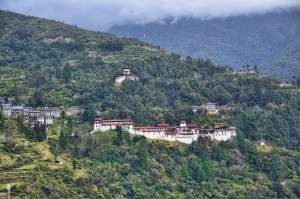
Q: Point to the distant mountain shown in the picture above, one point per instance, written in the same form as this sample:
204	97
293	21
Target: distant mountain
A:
270	41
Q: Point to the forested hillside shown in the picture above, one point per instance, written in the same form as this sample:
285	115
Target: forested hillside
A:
117	165
45	63
270	41
48	63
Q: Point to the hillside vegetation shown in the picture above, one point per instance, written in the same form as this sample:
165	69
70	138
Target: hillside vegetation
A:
270	41
45	63
119	165
48	63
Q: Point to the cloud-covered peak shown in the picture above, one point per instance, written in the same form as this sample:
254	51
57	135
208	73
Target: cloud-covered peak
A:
102	14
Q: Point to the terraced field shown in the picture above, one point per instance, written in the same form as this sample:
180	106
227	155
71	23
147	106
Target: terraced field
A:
21	166
131	53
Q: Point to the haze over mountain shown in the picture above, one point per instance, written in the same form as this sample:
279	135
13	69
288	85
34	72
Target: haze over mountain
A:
270	40
102	14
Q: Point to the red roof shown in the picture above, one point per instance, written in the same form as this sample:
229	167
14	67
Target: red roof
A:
163	125
148	127
118	120
191	125
99	118
221	127
171	133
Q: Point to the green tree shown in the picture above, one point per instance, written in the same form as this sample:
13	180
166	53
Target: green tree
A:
76	150
143	155
36	79
38	98
63	114
201	176
217	153
202	152
241	142
63	140
252	156
88	114
126	137
184	171
2	120
40	132
70	126
207	169
67	73
74	164
43	131
54	149
119	138
274	167
279	189
20	123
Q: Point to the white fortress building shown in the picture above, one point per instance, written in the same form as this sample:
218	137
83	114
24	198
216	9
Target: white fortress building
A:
126	75
185	133
104	125
220	133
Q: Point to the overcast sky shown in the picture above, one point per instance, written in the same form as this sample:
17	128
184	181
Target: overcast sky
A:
102	14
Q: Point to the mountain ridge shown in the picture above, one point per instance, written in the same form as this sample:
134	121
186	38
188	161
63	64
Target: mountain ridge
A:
234	41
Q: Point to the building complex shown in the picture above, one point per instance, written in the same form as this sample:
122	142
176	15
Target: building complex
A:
185	133
42	115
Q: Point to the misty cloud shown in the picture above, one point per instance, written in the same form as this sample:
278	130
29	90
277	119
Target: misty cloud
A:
102	14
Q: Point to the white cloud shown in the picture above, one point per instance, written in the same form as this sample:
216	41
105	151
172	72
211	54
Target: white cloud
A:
101	14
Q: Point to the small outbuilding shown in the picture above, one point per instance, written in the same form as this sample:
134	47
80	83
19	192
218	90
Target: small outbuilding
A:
262	142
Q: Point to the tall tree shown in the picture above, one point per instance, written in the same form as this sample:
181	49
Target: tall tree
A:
43	131
63	140
200	174
39	98
143	155
40	132
117	140
54	149
256	70
36	79
298	82
67	73
2	120
207	169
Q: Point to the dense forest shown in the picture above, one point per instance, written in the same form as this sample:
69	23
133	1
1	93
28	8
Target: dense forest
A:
45	63
269	40
116	164
48	63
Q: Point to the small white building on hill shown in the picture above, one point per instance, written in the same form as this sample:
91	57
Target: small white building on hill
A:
211	108
45	119
72	111
7	109
126	75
